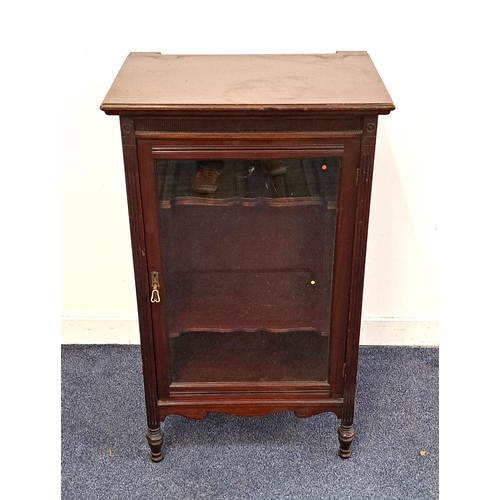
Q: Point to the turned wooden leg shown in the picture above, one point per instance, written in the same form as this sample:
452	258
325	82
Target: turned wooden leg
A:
346	435
155	441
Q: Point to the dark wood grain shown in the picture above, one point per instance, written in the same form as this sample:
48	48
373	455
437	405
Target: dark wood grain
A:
364	182
261	283
136	218
344	81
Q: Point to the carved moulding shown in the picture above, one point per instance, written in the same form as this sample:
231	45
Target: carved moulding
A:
254	410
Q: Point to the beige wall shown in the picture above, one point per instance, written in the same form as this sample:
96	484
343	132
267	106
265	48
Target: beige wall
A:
401	285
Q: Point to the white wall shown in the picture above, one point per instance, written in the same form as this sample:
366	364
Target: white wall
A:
401	285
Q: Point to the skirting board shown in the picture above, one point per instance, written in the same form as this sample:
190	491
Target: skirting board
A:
374	331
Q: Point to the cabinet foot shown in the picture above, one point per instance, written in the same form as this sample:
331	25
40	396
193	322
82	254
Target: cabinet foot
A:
155	441
346	435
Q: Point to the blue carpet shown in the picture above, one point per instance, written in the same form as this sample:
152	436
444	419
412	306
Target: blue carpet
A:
105	454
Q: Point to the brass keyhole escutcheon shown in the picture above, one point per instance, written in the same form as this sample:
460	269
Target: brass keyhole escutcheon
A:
155	285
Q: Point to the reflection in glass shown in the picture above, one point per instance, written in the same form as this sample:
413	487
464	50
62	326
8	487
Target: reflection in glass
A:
247	248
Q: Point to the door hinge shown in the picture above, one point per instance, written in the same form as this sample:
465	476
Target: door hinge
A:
155	285
343	371
357	177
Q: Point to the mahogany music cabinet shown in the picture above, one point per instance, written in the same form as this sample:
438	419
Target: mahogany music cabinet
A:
248	182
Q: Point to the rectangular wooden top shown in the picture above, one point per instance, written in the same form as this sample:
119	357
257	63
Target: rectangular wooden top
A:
344	81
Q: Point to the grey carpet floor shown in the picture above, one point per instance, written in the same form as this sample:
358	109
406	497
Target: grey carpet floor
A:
105	455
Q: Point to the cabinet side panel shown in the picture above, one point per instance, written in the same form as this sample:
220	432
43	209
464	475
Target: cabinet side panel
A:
136	220
365	175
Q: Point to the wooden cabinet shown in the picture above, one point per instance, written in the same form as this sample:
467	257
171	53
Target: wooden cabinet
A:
248	183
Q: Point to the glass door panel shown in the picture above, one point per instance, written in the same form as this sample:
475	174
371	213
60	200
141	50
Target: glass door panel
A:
247	250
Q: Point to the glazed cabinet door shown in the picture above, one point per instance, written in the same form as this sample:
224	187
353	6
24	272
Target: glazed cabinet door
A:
248	249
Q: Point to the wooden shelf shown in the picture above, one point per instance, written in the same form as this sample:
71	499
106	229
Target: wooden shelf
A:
249	357
280	301
306	181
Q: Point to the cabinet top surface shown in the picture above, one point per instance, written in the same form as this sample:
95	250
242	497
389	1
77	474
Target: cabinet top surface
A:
344	81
